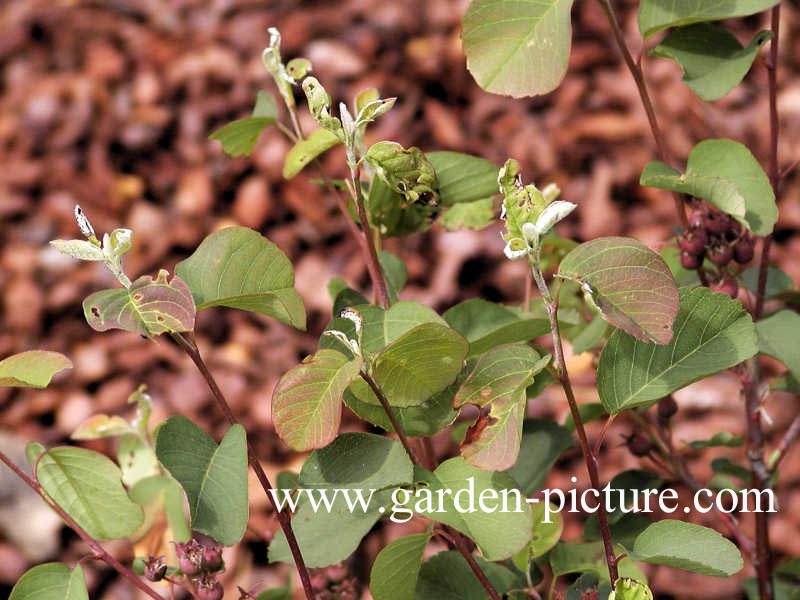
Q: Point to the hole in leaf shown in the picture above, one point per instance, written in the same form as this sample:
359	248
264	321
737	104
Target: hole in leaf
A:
95	311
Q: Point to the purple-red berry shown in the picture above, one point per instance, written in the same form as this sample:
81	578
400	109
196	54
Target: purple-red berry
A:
208	588
690	260
212	559
744	250
728	285
694	241
717	223
720	254
190	557
667	407
155	568
639	445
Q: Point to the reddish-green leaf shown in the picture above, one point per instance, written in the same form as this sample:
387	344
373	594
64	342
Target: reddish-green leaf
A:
149	307
34	368
630	284
307	403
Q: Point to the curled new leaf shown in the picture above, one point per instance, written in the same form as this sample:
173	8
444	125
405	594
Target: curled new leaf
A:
149	307
630	284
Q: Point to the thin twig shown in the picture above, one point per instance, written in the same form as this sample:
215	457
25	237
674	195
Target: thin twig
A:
563	377
641	85
193	352
99	552
398	429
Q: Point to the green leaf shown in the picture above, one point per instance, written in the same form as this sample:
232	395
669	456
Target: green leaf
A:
307	402
305	151
422	420
447	576
149	307
568	558
396	568
88	486
629	283
726	174
546	532
51	581
689	547
239	137
392	215
777	337
632	482
486	324
136	459
238	268
499	378
395	271
420	363
356	463
624	531
777	281
630	589
34	368
498	534
469	215
712	59
517	48
723	438
281	593
543	442
683	277
463	178
712	332
213	476
657	15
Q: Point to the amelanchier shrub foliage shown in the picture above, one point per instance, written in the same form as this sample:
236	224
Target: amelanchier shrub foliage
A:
658	321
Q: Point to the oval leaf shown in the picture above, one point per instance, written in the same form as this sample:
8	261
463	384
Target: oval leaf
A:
498	374
543	442
101	426
88	486
51	581
630	284
689	547
305	151
420	363
239	137
712	59
517	48
307	402
396	568
213	476
726	174
462	177
483	527
239	268
448	576
34	368
712	332
149	307
657	15
777	337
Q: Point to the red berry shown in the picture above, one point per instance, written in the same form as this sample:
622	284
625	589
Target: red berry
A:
639	445
744	250
190	557
720	255
212	559
728	285
693	242
698	221
208	588
155	568
690	261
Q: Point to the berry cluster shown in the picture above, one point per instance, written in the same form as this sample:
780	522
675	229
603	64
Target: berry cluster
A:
714	235
200	559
